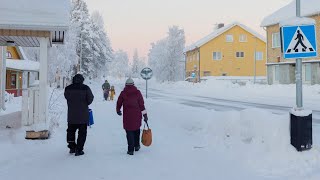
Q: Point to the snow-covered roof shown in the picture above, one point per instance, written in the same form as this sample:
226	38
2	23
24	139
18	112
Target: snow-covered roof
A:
21	53
220	31
297	21
308	8
34	14
22	65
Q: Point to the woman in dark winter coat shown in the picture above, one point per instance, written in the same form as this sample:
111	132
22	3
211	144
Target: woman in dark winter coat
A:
133	109
79	97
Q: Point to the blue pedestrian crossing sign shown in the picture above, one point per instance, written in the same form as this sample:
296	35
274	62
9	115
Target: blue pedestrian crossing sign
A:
299	41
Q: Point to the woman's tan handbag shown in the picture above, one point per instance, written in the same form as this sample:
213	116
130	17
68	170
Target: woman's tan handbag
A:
146	139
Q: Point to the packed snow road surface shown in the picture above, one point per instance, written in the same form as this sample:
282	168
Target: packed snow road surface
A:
220	104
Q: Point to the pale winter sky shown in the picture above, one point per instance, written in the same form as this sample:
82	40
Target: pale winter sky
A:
134	24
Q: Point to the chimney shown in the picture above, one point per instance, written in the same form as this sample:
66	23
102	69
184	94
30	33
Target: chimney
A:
220	25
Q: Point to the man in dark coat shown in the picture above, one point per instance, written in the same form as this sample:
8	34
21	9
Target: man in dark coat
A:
79	97
133	109
106	89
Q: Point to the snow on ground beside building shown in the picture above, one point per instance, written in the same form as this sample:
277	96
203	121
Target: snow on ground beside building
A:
189	143
13	104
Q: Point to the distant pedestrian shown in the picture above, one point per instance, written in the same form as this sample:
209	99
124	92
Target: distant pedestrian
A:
106	89
79	97
133	109
112	93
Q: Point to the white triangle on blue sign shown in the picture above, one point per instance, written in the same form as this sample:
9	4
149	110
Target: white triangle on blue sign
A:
299	43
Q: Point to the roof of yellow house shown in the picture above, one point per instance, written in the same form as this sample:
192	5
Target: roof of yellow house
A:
220	31
308	8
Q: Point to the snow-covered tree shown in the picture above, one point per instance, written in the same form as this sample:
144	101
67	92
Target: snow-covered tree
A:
138	64
166	56
93	46
120	65
175	58
101	45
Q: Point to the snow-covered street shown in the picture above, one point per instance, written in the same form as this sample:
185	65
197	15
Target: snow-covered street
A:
189	143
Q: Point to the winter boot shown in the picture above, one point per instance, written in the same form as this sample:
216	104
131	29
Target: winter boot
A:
72	151
130	153
79	153
137	148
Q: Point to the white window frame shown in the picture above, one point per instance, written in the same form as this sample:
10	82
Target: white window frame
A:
278	43
213	58
229	36
240	53
243	40
257	57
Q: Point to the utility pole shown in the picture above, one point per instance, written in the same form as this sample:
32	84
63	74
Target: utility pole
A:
298	67
255	61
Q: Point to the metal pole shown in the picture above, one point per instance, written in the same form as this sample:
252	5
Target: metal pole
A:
147	89
298	67
199	65
298	8
299	83
255	62
3	57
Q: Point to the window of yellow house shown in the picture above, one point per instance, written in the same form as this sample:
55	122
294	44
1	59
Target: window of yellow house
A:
276	40
240	54
243	38
229	38
9	55
216	55
197	56
259	56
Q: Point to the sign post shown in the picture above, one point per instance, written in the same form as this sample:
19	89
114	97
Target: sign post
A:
299	41
146	74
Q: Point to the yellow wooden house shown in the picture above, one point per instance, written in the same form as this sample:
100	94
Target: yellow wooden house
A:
232	50
14	76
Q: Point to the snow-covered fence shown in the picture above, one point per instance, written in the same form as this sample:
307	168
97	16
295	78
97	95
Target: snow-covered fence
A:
30	107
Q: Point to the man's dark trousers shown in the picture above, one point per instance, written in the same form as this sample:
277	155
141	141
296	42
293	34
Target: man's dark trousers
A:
71	136
133	138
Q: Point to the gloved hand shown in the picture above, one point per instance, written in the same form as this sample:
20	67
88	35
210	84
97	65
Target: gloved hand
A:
119	113
145	116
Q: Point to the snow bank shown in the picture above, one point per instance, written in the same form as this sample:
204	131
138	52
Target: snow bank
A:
261	140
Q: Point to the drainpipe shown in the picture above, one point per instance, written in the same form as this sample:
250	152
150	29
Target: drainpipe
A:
185	65
199	73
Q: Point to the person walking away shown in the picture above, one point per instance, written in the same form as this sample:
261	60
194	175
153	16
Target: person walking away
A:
133	109
106	89
79	96
112	93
